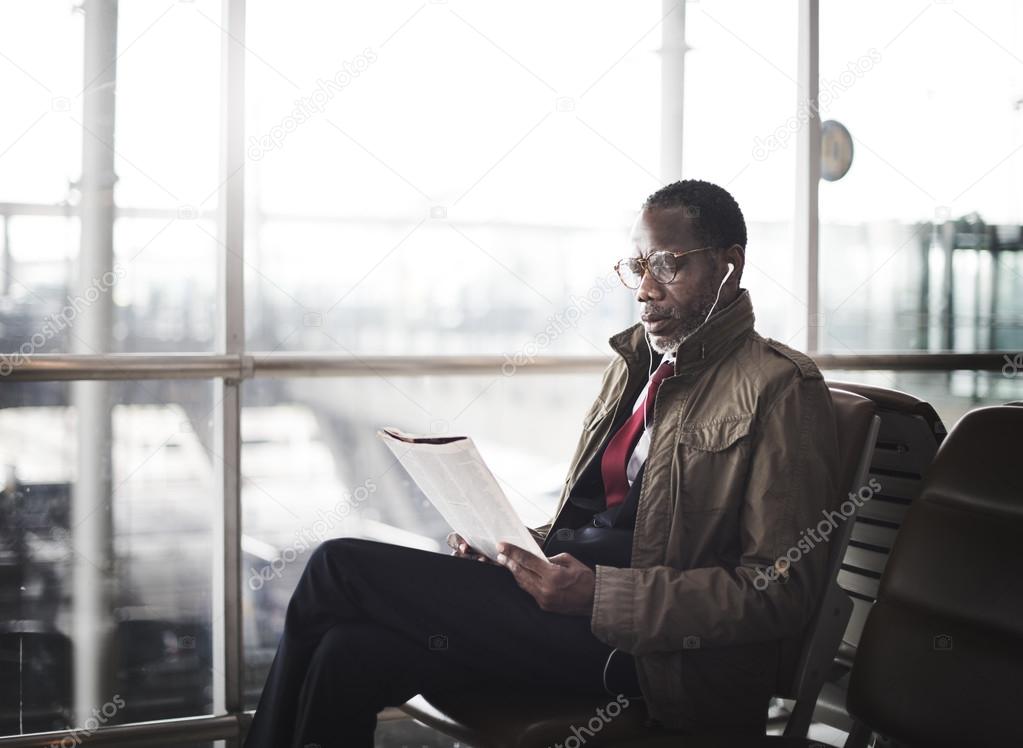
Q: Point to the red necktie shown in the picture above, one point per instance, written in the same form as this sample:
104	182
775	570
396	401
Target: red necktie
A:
616	455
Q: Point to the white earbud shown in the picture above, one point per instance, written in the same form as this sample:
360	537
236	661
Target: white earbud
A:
731	269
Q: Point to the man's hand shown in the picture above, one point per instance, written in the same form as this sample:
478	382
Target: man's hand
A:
560	584
462	549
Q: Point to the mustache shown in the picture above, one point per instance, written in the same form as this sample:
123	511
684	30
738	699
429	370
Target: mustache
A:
653	310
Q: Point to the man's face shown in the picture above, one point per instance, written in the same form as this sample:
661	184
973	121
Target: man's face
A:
673	311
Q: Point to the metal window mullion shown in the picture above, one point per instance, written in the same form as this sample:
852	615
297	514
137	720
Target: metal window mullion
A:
133	367
227	584
808	168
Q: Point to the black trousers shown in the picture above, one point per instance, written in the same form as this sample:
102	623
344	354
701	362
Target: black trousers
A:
370	625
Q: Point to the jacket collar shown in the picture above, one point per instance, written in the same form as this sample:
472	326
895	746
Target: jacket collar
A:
709	343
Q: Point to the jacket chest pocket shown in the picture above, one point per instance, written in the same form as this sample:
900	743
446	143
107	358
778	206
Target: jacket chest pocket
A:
713	458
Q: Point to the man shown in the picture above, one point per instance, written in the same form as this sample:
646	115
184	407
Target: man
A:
686	485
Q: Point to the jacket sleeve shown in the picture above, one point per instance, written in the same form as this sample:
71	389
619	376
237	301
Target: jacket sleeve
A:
791	481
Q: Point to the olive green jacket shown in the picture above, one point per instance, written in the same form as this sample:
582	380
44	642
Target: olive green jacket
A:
743	458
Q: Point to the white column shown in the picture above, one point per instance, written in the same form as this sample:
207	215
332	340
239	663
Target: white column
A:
91	512
673	55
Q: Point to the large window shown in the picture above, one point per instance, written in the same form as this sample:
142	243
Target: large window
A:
164	146
920	242
298	222
740	88
450	206
105	525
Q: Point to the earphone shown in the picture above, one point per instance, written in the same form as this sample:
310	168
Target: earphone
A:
731	269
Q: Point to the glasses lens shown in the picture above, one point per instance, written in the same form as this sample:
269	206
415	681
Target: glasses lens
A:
630	271
662	266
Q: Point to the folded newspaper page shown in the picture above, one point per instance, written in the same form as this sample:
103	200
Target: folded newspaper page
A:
453	476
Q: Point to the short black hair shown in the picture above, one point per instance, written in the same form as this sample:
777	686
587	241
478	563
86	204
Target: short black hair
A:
717	219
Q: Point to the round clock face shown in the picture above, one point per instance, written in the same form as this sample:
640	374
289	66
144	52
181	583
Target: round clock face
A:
836	150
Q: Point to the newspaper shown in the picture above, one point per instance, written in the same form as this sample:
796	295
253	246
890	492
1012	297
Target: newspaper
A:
453	476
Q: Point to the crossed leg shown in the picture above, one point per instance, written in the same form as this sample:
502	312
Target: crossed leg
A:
370	625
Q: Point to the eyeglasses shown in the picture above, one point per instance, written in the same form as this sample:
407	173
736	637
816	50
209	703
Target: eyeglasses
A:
662	265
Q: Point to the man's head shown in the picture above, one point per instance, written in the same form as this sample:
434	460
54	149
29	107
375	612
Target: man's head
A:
679	218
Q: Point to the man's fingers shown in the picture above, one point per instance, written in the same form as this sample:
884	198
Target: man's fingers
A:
561	584
566	560
515	557
527	580
461	549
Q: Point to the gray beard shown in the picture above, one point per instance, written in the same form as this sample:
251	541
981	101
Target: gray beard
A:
666	345
670	344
